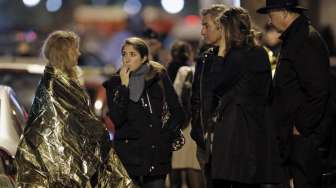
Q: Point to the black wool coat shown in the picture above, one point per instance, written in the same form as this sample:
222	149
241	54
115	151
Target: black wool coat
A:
244	146
145	129
301	93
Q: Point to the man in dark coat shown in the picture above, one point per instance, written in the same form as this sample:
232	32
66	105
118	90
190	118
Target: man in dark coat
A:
201	99
300	91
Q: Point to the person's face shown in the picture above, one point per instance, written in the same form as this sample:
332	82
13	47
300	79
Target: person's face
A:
131	58
277	19
211	32
154	45
271	38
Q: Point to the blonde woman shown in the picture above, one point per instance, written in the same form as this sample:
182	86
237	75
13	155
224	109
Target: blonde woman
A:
63	141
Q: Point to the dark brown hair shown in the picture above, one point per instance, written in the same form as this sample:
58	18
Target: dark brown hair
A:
237	28
181	51
139	45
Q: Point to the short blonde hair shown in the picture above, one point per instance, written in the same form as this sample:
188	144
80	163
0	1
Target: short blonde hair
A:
214	11
57	50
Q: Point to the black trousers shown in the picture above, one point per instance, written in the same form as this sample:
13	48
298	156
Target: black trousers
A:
194	178
305	163
218	183
150	181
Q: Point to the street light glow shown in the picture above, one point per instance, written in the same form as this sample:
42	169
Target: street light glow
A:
132	7
54	5
172	6
31	3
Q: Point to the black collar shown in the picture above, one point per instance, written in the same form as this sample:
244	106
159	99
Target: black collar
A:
294	27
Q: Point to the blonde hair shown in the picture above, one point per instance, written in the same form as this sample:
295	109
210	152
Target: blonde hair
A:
59	48
214	11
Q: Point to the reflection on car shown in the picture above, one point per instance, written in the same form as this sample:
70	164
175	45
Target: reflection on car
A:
12	121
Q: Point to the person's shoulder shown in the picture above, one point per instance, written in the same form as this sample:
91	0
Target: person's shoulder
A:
313	36
184	70
113	81
155	70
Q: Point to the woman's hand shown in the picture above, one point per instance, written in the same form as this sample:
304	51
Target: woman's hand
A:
124	75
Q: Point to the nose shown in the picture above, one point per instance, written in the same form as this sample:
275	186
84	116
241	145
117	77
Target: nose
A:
126	59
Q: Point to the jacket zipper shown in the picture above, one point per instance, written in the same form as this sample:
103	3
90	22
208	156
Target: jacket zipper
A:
201	95
149	103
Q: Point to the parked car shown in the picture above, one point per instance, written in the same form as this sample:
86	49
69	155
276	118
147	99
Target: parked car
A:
12	121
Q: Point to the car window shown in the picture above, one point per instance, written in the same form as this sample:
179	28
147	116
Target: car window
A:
24	84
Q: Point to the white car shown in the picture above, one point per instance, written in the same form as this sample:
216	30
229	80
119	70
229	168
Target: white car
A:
12	121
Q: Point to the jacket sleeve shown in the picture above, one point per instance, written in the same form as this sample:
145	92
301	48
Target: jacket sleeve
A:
312	67
117	100
196	126
177	117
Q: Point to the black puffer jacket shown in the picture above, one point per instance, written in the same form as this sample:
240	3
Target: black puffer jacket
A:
145	129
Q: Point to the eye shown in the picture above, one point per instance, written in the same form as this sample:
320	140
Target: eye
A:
123	54
132	54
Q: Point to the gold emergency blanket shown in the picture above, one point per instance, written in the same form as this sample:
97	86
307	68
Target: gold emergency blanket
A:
63	141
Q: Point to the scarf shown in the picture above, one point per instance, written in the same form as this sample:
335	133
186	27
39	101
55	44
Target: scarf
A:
137	82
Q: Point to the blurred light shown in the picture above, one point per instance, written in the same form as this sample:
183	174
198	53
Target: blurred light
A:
172	6
20	36
31	36
98	104
31	3
236	3
54	5
99	2
192	20
132	7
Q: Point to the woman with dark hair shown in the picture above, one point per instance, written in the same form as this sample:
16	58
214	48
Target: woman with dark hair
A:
147	114
244	152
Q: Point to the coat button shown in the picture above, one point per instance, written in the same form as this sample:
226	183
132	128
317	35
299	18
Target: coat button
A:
126	141
151	168
153	146
150	125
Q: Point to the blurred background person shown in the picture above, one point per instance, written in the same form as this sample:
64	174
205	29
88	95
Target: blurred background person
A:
271	40
181	55
184	163
154	42
147	115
